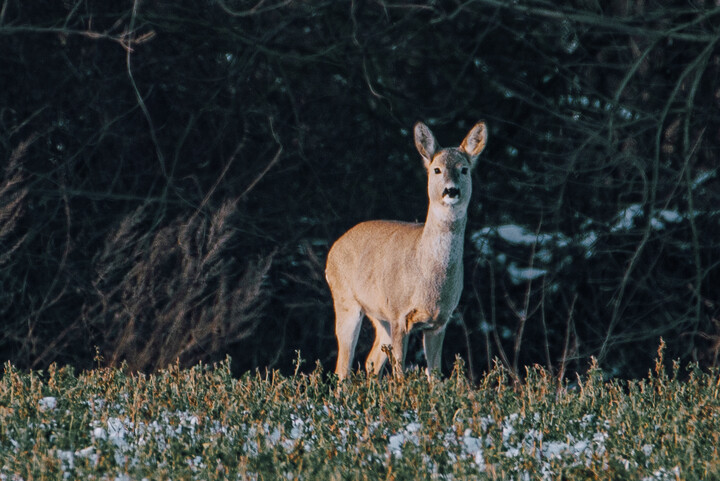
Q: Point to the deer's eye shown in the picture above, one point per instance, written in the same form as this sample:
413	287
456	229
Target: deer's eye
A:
464	170
437	170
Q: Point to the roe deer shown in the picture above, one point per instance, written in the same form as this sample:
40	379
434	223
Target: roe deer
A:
400	274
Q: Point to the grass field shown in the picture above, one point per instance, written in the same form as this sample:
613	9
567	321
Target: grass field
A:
201	423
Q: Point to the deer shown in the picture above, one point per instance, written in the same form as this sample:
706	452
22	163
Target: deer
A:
402	275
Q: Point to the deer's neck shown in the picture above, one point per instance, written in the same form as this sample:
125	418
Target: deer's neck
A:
441	243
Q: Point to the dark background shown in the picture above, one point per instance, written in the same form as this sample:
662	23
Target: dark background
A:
174	173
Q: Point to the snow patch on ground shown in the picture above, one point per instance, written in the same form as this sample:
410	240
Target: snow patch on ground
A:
467	441
47	403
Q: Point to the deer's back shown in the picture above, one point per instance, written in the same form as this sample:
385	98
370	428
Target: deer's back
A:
376	263
380	245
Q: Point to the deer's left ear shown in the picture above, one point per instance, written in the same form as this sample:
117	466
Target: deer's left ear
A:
475	142
425	142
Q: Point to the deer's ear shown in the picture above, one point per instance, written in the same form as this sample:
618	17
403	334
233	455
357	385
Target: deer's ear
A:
475	141
425	142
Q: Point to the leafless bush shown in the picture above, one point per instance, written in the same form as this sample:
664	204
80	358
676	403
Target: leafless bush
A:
12	207
13	193
604	139
175	293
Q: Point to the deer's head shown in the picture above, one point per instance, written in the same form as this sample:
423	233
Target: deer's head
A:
449	179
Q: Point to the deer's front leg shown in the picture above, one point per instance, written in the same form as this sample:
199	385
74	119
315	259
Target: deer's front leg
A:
399	340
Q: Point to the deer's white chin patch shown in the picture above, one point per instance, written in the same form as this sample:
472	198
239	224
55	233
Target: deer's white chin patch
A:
451	200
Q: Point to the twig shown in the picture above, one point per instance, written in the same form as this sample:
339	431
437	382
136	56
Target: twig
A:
138	96
269	166
611	23
563	361
548	359
525	313
3	11
496	337
651	196
257	9
468	347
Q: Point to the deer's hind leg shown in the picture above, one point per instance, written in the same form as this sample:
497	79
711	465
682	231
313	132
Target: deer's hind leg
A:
348	319
432	342
377	357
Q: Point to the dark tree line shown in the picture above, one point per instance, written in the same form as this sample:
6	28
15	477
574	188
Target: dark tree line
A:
174	173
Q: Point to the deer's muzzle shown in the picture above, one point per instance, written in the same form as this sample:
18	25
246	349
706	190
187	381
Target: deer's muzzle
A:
451	192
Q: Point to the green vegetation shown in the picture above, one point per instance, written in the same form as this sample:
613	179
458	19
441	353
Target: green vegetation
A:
201	423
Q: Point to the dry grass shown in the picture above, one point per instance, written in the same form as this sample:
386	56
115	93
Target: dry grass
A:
202	423
176	292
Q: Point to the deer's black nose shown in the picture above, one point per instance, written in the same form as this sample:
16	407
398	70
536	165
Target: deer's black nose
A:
451	192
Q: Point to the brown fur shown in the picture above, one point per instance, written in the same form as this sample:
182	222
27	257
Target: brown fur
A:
401	275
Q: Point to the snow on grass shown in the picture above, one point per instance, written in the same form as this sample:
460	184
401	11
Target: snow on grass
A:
520	275
46	403
200	424
123	438
703	177
663	474
519	235
518	441
491	242
626	218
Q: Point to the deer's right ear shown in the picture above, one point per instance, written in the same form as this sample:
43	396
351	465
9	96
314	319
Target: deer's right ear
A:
475	142
425	142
